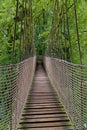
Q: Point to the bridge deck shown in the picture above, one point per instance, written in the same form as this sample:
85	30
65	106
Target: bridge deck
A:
43	110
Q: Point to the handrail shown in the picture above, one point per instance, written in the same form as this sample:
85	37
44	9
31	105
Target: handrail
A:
70	82
15	84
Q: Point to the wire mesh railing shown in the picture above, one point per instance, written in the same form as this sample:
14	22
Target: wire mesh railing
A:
70	81
15	83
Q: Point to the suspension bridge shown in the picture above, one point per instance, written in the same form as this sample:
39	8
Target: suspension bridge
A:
48	93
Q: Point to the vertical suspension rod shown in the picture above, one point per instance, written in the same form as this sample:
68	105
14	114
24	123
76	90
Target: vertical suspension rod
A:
77	31
15	28
21	32
65	52
68	31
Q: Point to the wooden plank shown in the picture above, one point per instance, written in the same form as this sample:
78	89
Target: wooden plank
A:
44	124
44	113
40	120
44	116
56	116
49	128
44	109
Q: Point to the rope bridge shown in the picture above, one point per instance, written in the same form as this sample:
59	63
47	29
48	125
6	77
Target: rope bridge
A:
15	83
70	82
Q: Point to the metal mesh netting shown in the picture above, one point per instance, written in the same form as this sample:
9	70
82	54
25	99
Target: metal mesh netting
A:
15	83
70	81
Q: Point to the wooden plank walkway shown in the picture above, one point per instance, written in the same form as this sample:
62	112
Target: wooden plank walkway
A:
43	111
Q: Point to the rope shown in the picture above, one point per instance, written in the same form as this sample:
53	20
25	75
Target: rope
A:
15	30
77	31
70	82
60	43
15	84
23	31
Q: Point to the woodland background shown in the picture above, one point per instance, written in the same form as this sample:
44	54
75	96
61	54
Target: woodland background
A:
43	15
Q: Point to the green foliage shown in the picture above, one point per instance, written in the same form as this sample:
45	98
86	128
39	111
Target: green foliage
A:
8	20
49	31
82	26
7	12
42	12
59	37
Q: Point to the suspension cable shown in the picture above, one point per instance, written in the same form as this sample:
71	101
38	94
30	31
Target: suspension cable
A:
15	29
64	28
67	21
77	31
21	34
